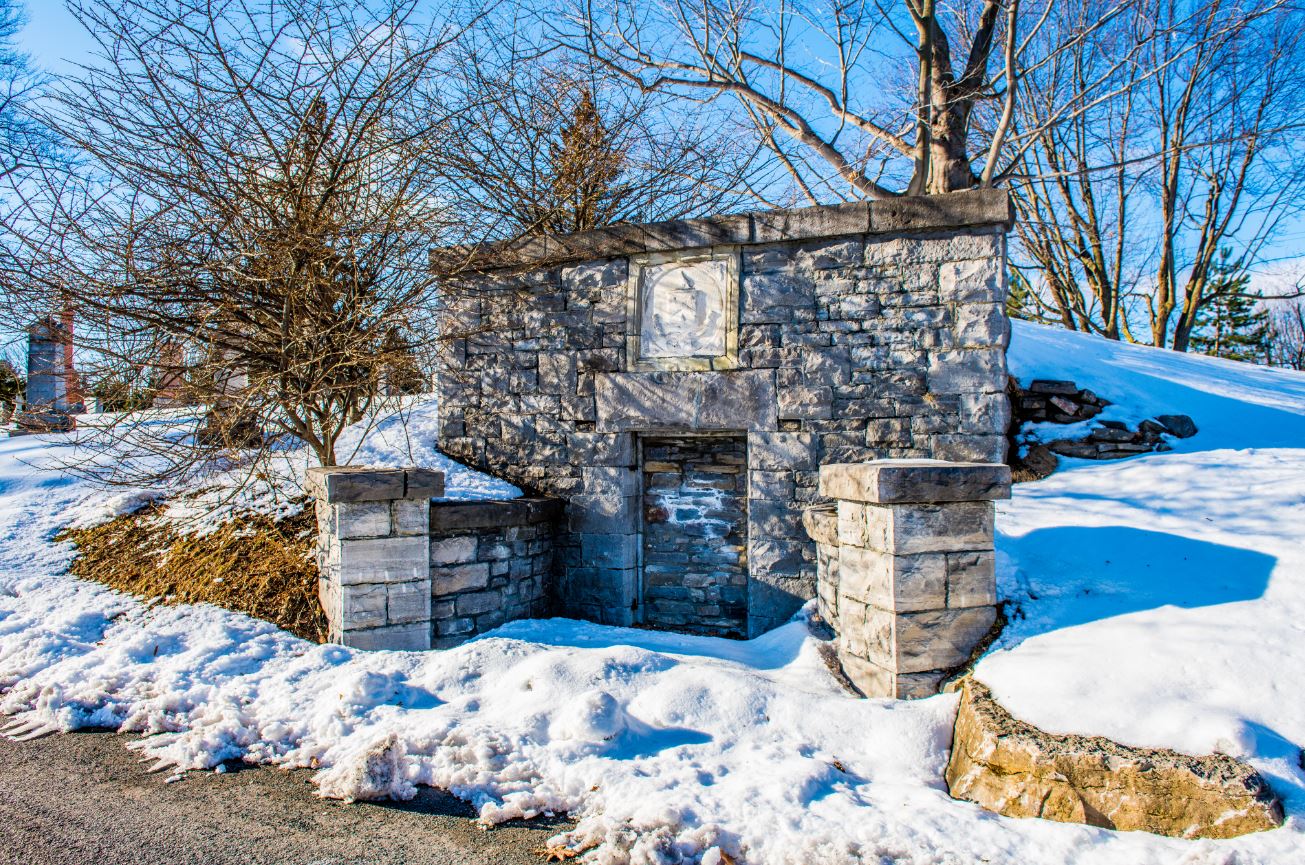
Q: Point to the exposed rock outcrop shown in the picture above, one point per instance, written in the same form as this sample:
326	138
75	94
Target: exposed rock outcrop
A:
1017	770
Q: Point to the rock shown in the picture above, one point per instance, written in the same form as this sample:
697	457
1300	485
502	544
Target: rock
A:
1111	434
1081	450
1114	424
1049	386
1178	424
1150	426
1064	405
1017	770
1035	465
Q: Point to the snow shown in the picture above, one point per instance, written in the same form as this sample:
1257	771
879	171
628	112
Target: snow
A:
1160	602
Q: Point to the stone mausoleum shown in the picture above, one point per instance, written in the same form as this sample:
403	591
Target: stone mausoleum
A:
699	411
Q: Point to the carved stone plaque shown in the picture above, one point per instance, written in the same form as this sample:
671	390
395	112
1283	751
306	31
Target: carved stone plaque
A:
684	313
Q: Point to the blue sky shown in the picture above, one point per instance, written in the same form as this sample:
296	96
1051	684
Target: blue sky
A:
52	36
55	40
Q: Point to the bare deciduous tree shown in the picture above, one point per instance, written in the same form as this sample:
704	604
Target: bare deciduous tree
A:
1125	206
254	185
855	99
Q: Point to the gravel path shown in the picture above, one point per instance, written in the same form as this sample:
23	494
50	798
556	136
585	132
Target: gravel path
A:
84	799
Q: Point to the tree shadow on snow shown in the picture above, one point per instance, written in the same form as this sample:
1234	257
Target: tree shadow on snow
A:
1067	576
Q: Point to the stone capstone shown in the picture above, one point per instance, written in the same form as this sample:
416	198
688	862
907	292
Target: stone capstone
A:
1017	770
340	484
900	481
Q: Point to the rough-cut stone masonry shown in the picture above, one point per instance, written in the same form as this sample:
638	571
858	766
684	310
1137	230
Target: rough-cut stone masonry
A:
864	331
399	571
490	563
1017	770
907	576
695	570
372	554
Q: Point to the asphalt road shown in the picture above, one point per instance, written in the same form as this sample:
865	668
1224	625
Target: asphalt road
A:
84	799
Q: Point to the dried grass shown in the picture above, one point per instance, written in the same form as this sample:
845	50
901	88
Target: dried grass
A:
252	565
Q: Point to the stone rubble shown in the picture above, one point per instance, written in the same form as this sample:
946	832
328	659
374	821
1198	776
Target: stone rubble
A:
1064	402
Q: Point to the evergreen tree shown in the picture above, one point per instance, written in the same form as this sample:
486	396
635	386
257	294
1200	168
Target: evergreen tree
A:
1232	322
584	167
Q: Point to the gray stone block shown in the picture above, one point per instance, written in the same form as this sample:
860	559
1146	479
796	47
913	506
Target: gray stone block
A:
811	222
940	639
362	607
916	528
400	638
609	551
354	484
742	400
457	517
453	551
899	481
971	207
384	560
475	603
971	579
452	579
423	483
782	451
603	514
968	371
975	281
410	516
361	520
894	583
407	602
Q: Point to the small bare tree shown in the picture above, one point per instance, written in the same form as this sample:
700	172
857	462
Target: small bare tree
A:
1287	335
255	187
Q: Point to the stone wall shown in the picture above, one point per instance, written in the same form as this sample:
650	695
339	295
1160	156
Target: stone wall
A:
372	554
490	563
864	331
695	567
398	571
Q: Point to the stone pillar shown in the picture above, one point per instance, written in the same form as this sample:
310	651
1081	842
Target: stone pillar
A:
373	553
916	583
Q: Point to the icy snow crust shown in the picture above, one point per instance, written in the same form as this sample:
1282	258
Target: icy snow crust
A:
669	748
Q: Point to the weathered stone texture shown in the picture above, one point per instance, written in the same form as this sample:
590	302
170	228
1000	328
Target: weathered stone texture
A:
490	563
1017	770
695	500
865	332
908	586
373	554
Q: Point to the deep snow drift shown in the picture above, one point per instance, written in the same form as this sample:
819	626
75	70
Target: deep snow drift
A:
1162	602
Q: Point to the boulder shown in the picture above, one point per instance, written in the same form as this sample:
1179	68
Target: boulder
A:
1178	424
1017	770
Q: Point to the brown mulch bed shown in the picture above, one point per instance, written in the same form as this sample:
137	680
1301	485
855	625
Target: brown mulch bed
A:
252	565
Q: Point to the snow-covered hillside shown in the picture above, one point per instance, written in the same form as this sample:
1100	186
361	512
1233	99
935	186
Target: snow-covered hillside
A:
1162	602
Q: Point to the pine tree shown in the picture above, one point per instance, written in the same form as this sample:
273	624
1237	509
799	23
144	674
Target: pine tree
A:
1232	322
585	163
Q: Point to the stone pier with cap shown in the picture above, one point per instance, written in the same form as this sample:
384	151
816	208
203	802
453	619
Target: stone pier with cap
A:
907	568
373	553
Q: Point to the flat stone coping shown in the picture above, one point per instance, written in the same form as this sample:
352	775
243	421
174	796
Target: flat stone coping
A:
915	481
923	213
456	516
340	484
